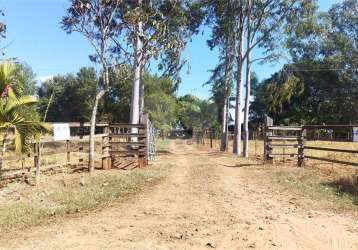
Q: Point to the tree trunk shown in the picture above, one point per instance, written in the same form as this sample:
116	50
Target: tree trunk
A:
141	89
227	123
135	102
223	144
248	86
237	132
3	150
247	106
99	95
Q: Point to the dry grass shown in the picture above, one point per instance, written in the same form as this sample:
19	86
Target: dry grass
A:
335	184
336	191
73	194
58	154
256	149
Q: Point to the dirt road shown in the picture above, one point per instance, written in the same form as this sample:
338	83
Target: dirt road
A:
205	203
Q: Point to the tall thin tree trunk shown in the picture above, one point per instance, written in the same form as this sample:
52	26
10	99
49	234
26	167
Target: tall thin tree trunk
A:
98	97
223	144
227	123
141	89
248	85
224	131
135	105
237	132
247	107
40	145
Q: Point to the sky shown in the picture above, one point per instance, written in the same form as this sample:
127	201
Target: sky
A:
34	36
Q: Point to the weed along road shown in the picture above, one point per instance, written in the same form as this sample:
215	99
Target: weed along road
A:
208	200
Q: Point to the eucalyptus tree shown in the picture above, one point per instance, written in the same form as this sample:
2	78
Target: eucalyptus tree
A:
226	19
160	31
98	22
266	25
222	84
221	88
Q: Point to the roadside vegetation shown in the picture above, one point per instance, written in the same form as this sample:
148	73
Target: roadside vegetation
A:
74	194
336	190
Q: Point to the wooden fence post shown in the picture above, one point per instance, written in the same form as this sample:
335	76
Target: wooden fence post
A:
211	138
301	148
80	149
106	157
143	160
267	142
68	152
37	162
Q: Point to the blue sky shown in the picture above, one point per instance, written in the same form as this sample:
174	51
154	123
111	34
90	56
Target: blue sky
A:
34	36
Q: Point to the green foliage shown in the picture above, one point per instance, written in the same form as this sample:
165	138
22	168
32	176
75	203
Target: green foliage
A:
17	114
72	96
117	101
160	102
323	86
312	96
194	113
12	120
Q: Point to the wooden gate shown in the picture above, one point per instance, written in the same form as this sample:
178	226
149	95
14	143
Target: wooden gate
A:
286	138
130	145
296	137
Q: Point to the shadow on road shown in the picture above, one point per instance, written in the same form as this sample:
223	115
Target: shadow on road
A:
242	165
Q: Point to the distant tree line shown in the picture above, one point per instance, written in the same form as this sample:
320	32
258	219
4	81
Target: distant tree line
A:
69	98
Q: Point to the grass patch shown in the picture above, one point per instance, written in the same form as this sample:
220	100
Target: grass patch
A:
311	183
77	195
163	144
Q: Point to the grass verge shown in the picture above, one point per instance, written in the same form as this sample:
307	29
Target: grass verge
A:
338	191
76	195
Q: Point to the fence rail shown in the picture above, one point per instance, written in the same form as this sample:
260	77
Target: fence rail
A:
302	134
114	143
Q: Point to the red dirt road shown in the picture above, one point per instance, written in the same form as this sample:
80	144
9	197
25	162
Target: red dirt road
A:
203	204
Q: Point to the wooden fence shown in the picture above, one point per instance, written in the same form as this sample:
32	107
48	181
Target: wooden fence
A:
345	134
49	155
120	145
296	137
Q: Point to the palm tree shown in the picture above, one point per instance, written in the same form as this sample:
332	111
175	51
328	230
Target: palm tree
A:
14	119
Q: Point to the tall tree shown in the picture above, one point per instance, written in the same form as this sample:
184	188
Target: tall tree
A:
137	90
226	20
161	30
239	21
248	80
96	21
266	23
